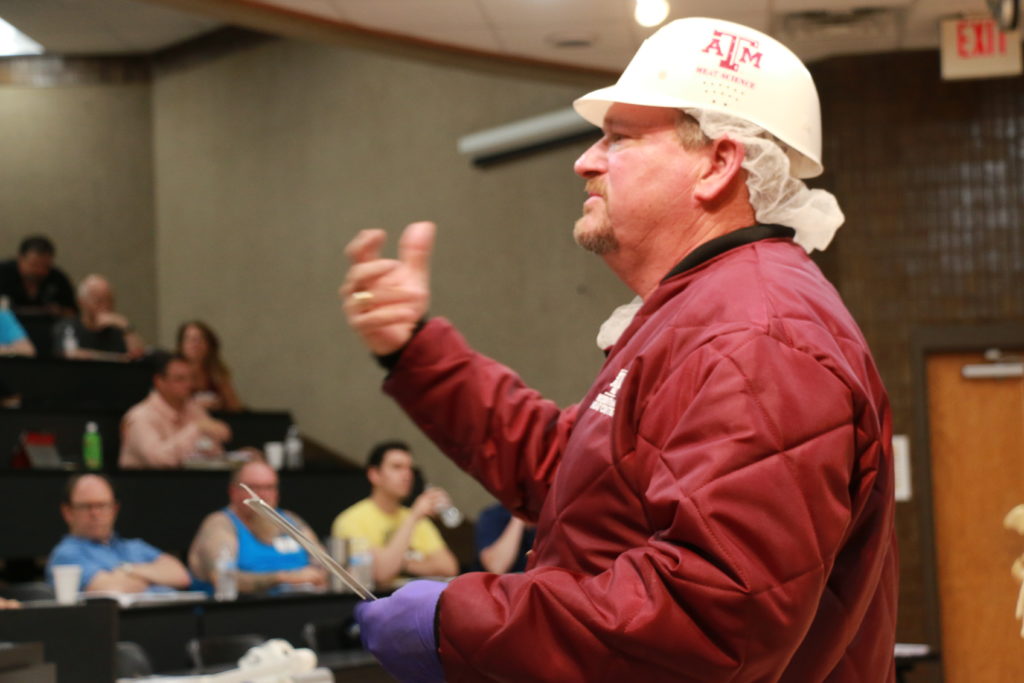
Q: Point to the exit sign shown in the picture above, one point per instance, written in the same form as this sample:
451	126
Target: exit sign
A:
976	48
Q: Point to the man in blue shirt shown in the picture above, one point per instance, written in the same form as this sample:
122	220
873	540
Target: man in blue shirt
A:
267	559
109	562
502	541
13	338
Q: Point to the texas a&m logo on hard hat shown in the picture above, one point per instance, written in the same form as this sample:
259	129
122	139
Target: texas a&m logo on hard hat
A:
734	50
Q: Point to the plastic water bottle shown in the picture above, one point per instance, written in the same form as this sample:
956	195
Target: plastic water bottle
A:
337	548
360	561
449	515
293	449
92	447
70	342
225	576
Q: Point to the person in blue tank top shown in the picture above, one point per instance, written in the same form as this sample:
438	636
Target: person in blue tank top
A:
268	560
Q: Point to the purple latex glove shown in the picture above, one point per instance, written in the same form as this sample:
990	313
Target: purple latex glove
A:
399	631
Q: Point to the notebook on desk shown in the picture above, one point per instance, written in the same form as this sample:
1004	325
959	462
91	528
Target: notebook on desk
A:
147	598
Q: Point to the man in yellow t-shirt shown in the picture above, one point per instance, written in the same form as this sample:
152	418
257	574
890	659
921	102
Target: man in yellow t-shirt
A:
403	540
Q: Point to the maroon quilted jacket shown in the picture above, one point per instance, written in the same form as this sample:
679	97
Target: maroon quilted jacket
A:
718	507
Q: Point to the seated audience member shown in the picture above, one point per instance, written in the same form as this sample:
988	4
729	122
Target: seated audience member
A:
267	558
213	388
14	340
33	283
168	427
109	562
404	540
100	333
502	541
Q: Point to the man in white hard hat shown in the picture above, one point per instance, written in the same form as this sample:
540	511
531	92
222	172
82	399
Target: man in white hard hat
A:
719	506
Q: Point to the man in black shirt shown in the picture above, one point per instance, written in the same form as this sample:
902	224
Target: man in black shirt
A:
32	282
101	333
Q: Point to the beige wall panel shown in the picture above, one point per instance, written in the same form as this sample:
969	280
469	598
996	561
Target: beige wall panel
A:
77	166
269	160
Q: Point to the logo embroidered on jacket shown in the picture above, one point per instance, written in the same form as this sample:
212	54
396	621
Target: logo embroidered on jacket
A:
605	401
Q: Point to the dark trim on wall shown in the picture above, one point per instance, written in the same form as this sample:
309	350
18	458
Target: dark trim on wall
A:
925	340
50	71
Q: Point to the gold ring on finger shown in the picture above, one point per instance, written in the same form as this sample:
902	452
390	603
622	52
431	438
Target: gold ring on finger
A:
362	298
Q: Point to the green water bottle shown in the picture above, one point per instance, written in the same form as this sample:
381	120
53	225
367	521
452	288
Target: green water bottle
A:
92	447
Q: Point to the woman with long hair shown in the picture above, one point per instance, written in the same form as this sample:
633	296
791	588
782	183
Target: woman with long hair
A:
214	390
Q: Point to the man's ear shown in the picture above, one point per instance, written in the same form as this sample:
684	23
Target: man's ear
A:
373	475
65	512
725	159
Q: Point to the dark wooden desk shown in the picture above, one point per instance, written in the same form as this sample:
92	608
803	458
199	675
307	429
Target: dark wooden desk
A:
58	384
79	639
162	507
163	630
249	428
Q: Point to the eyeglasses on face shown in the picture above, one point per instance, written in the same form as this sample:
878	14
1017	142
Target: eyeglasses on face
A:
89	507
262	487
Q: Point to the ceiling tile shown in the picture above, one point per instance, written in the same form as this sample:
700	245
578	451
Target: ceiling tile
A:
612	43
519	12
473	38
940	7
387	14
758	19
317	8
787	6
719	9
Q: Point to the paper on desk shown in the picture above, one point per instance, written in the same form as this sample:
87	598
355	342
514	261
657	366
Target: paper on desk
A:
146	597
260	507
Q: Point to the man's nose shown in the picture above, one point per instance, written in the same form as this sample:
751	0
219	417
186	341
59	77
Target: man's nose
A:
592	162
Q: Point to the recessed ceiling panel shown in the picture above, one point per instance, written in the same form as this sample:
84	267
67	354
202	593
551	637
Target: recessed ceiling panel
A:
787	6
512	13
607	45
385	14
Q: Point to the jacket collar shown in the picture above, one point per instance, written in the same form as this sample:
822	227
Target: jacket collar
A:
730	240
622	317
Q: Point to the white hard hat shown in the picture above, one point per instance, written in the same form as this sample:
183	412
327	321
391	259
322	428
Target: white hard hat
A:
721	66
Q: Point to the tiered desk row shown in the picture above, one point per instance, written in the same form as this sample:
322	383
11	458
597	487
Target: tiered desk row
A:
163	507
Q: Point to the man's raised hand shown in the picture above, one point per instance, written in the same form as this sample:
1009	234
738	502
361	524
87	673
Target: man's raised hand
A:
383	299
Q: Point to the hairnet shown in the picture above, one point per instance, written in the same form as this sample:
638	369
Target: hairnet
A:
776	196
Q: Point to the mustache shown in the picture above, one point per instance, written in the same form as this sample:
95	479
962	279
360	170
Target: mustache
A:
595	187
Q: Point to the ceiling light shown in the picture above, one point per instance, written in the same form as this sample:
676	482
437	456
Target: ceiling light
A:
13	42
650	12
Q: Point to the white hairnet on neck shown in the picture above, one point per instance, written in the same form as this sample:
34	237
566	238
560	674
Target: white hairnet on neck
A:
776	196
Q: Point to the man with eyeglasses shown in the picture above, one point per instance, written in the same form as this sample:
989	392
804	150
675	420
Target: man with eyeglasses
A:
267	559
109	562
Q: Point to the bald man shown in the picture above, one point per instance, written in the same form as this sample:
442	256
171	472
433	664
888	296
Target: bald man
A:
109	562
101	333
267	558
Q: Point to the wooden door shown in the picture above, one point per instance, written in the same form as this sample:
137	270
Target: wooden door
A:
977	462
